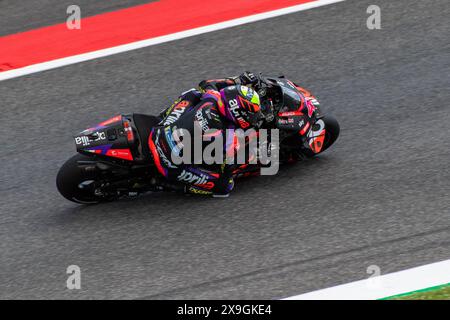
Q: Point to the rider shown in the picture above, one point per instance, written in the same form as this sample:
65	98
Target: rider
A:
219	104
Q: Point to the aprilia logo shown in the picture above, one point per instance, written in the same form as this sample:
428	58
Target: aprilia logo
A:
203	122
234	107
82	140
85	141
175	114
192	178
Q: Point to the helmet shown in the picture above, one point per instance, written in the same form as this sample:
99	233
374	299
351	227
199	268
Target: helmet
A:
242	106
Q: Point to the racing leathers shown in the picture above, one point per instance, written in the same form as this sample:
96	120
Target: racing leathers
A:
196	111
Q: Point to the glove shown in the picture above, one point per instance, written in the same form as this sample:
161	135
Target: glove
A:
248	78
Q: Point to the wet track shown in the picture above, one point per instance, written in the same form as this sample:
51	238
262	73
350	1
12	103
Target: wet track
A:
380	196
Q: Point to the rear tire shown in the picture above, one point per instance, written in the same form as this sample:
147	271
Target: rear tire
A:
68	179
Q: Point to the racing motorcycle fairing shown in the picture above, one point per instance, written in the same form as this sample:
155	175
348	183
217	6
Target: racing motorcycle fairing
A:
316	136
298	111
114	138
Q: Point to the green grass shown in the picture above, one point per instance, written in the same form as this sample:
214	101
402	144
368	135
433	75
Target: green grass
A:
434	293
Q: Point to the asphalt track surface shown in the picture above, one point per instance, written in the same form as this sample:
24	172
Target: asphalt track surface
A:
380	196
23	15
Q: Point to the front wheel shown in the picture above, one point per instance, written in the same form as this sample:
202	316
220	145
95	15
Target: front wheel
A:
71	179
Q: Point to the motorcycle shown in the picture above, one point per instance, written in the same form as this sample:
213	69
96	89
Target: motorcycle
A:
114	160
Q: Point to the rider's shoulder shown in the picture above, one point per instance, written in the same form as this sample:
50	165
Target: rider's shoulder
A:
209	114
211	95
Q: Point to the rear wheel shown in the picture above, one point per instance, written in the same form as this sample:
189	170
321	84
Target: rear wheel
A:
71	180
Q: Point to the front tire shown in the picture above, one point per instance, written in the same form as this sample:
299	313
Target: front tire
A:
69	178
332	131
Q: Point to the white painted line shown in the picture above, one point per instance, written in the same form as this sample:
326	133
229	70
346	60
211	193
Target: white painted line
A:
153	41
383	286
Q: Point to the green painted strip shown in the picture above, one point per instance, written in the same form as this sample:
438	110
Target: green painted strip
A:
417	291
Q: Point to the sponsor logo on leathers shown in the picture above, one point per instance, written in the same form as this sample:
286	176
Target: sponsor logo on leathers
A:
176	113
201	120
192	178
161	153
85	141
